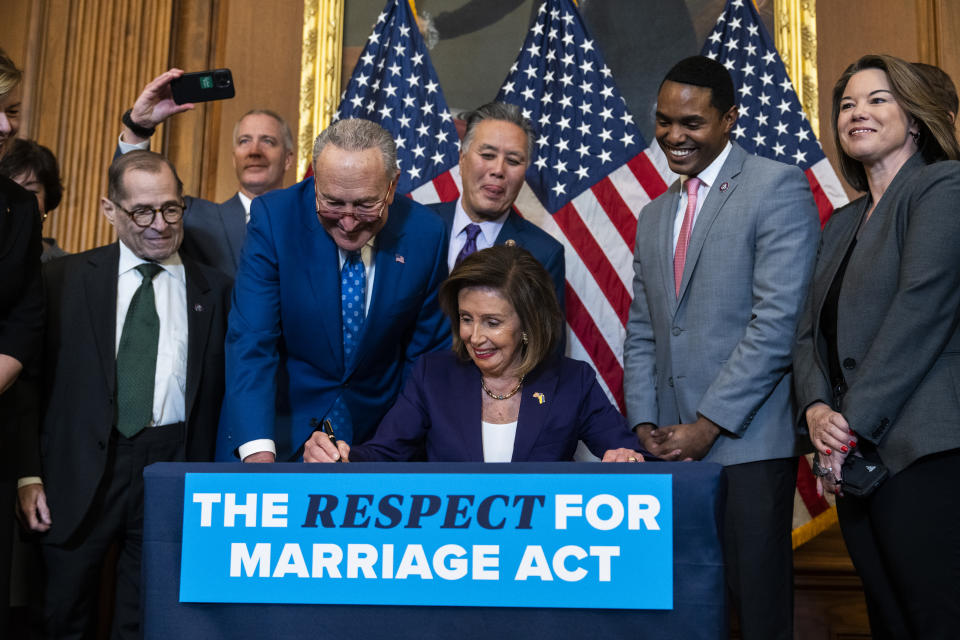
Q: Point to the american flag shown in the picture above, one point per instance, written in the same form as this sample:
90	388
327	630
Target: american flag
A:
395	85
772	123
590	179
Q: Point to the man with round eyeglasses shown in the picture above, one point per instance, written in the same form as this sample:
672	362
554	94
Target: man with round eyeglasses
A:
336	296
132	375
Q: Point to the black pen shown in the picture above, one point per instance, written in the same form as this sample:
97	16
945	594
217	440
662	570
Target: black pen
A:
327	429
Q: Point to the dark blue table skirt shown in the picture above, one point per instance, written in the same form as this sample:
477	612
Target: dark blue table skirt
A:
699	595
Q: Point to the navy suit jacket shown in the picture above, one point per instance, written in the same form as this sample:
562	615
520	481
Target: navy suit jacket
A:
527	235
213	233
285	321
440	409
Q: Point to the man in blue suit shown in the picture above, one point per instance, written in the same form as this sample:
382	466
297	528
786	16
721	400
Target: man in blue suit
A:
262	154
336	294
497	149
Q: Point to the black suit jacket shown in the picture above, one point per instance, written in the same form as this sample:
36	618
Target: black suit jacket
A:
21	297
79	380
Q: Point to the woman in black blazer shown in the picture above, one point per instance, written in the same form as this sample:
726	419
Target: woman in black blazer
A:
21	309
877	358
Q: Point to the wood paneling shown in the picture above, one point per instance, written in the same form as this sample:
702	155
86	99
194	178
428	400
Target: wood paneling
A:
90	59
261	45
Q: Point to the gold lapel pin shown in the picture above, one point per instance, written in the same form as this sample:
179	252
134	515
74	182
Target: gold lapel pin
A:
539	397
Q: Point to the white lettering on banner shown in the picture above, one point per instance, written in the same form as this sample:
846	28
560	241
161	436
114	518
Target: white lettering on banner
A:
449	562
640	508
206	501
274	506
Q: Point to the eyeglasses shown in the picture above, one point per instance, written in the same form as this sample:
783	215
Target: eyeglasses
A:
361	211
143	216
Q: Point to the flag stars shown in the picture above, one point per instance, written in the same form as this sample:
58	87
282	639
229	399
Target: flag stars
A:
409	101
769	57
799	156
567	59
367	59
584	129
751	50
583	150
582	172
586	87
606	114
779	149
739	131
437	157
759	140
766	79
418	150
753	29
748	69
606	135
585	108
786	85
587	46
528	94
413	80
423	129
607	92
431	87
604	156
745	90
729	64
627	139
566	80
559	189
784	107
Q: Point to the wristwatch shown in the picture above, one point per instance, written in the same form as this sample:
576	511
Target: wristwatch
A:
820	472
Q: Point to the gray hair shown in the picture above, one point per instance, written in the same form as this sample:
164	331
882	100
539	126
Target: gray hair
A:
503	111
359	135
284	127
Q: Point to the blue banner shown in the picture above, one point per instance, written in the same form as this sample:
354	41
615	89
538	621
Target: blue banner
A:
509	540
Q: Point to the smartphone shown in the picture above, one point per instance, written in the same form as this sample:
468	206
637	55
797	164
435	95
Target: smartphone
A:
203	86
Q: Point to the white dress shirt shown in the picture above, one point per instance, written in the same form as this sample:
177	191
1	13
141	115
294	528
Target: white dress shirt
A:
489	230
170	295
707	177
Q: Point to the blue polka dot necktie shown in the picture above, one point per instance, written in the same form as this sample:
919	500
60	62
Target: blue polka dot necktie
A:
470	246
353	288
137	356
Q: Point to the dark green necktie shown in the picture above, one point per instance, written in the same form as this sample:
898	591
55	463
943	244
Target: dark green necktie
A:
137	356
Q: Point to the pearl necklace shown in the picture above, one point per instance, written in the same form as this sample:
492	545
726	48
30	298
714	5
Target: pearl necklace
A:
501	396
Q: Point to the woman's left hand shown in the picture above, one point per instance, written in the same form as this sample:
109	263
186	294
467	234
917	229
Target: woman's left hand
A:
622	455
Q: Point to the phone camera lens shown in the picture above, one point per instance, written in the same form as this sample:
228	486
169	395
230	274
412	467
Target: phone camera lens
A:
221	79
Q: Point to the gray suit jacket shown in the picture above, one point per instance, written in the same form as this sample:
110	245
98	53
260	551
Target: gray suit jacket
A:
723	348
898	316
214	233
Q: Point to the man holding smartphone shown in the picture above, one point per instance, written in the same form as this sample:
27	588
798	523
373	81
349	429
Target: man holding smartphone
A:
262	154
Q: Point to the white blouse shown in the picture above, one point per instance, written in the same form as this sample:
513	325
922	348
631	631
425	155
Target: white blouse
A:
498	441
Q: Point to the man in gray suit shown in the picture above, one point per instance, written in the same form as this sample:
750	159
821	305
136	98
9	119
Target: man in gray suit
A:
721	267
262	154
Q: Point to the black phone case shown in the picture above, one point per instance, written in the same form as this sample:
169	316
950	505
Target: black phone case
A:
861	476
203	86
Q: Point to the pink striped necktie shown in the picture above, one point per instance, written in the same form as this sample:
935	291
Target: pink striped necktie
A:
680	255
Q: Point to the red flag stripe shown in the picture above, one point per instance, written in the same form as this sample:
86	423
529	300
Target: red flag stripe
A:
647	175
593	256
446	187
616	209
604	360
823	202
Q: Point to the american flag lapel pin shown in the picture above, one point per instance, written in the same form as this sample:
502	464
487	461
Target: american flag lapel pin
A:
723	187
399	258
198	307
540	398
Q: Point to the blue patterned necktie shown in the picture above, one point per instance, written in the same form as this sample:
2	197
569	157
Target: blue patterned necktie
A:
137	356
470	246
353	288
